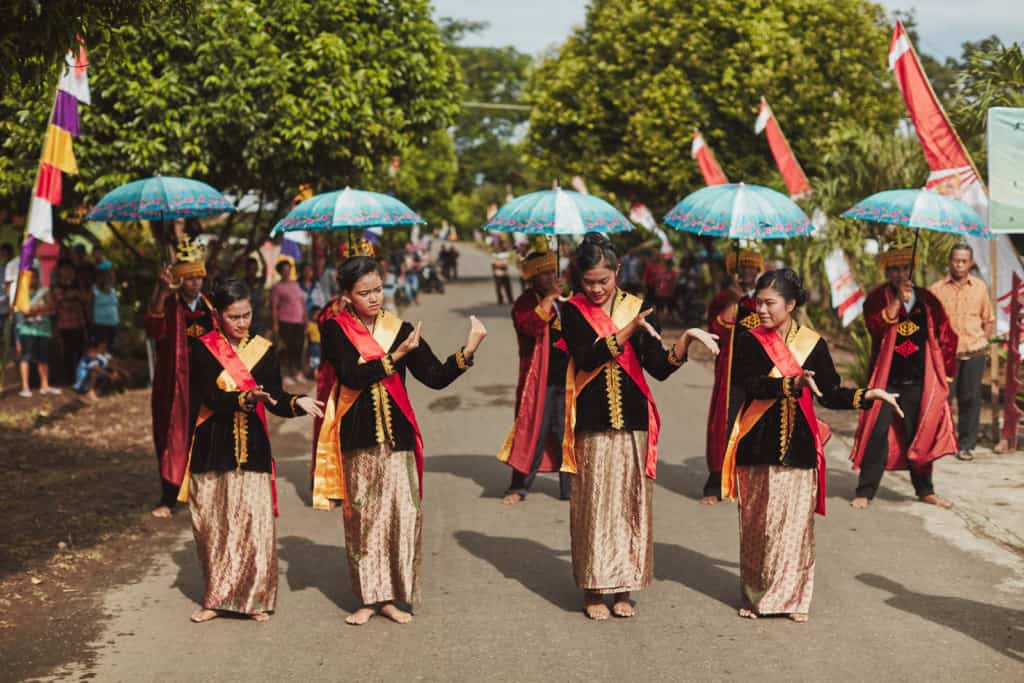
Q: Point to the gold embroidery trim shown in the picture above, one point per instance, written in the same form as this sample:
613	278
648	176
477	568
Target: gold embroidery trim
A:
389	365
751	321
241	438
243	400
907	328
613	385
673	359
292	404
460	360
858	398
381	413
613	346
886	318
546	317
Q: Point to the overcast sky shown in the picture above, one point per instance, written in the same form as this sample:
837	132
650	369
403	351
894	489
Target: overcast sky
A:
534	25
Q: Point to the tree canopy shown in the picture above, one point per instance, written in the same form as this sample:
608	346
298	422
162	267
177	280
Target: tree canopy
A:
619	101
250	96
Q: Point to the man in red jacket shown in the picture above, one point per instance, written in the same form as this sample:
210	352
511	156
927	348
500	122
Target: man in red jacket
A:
913	355
732	306
177	311
535	442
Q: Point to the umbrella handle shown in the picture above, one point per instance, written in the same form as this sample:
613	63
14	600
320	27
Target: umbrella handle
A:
913	253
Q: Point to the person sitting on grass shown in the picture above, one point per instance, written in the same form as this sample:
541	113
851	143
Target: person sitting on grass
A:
93	372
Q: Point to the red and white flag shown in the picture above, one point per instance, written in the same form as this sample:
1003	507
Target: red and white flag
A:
789	167
952	171
709	168
847	296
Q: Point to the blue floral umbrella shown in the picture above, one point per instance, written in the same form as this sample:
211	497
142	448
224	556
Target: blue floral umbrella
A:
558	212
347	209
739	211
922	209
158	199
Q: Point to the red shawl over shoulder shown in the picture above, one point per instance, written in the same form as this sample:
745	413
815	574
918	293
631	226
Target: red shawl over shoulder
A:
171	426
533	332
718	412
935	435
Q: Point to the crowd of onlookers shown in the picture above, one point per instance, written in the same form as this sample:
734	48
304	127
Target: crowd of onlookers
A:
74	322
69	334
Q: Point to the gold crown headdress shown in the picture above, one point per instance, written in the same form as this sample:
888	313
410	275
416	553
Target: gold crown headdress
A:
896	257
537	262
364	247
189	259
747	257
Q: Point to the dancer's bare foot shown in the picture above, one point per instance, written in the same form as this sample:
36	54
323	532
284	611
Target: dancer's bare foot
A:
513	498
594	607
161	512
748	613
860	503
260	616
622	607
932	499
799	617
709	500
360	616
204	615
396	615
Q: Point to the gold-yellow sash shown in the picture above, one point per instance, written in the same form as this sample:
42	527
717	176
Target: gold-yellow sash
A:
625	310
250	355
801	346
328	470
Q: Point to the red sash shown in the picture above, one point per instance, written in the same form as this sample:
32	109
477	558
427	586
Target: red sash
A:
786	363
222	350
630	363
370	350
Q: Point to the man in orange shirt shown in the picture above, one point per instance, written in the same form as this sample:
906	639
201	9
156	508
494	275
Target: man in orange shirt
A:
966	300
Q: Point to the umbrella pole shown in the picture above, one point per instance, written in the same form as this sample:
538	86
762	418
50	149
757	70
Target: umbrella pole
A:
913	253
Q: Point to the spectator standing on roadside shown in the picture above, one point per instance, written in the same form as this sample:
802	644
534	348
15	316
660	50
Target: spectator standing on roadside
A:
106	317
288	311
410	274
969	309
315	297
660	278
34	330
499	269
257	294
73	306
6	259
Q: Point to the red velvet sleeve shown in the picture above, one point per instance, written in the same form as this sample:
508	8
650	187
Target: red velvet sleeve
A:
719	303
874	305
527	316
156	326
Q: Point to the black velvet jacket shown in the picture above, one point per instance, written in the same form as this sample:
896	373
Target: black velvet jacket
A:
611	400
782	435
232	438
375	418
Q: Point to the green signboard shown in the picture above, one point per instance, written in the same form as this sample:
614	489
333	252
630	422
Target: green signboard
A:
1006	169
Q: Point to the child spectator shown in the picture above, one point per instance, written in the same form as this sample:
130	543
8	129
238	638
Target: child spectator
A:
92	372
390	284
313	338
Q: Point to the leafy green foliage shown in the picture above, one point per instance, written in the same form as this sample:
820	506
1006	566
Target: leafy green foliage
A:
619	101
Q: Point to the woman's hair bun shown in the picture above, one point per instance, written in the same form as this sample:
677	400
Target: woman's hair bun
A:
597	238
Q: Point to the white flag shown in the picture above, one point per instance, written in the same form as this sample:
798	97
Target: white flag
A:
847	296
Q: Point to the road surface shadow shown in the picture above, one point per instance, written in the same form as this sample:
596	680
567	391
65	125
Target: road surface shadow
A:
491	475
323	567
190	580
538	568
687	479
1000	628
295	471
499	311
697	571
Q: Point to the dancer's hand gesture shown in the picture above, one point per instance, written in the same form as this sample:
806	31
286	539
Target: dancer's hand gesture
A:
411	343
883	395
477	333
710	341
311	406
806	379
260	395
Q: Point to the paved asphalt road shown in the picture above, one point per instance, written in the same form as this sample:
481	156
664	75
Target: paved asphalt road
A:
903	592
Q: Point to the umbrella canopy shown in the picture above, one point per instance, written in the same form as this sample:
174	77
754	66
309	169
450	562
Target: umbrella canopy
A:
558	212
920	209
160	198
739	211
347	208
